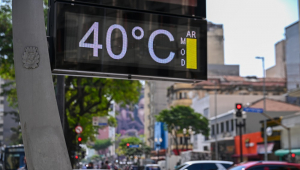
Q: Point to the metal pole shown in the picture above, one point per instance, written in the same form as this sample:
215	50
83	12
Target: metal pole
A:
289	133
216	142
265	120
43	137
241	141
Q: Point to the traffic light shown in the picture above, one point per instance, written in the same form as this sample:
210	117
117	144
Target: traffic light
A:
127	144
238	107
79	140
293	155
76	156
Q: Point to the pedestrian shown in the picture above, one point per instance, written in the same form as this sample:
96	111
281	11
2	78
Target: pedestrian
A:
25	166
90	166
106	166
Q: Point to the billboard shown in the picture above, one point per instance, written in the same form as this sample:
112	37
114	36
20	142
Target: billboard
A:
131	118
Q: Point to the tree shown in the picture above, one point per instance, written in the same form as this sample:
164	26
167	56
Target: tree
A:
180	117
89	97
102	144
131	152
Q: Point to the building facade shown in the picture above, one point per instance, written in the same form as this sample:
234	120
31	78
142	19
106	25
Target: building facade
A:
155	101
279	70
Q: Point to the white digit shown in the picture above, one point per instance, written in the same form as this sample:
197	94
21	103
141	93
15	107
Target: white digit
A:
94	46
108	42
150	46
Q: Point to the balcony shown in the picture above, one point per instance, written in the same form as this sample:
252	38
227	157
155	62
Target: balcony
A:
183	102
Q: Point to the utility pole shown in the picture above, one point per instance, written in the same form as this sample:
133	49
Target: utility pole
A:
264	94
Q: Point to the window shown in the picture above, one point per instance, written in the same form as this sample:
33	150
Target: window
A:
205	148
222	127
227	165
181	166
205	112
212	129
232	125
180	96
217	129
184	95
194	167
209	166
227	126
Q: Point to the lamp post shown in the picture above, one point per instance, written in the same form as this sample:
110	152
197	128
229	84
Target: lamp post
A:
264	94
158	143
187	135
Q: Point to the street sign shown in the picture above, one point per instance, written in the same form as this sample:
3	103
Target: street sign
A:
134	146
269	131
254	110
78	129
111	42
100	121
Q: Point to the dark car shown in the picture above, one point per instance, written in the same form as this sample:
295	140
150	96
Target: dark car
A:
266	165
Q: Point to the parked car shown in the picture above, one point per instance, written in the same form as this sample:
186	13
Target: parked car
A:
266	165
205	165
152	167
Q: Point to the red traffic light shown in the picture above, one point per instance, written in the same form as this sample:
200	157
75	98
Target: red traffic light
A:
76	157
127	144
293	155
238	106
79	139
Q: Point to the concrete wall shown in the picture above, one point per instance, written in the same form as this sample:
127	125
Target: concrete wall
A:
223	70
292	56
215	44
279	70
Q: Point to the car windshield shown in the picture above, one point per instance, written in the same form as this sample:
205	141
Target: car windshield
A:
237	168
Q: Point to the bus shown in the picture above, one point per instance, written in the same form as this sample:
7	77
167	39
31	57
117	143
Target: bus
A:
12	157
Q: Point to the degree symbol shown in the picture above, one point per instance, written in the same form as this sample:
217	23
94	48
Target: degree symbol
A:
135	36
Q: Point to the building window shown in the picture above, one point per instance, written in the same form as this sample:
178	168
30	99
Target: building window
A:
227	126
222	127
217	129
232	125
1	101
212	129
180	95
205	148
205	112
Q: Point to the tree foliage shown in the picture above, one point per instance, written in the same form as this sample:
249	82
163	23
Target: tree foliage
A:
180	117
142	149
102	144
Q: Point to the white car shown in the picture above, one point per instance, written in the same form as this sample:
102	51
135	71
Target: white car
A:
205	165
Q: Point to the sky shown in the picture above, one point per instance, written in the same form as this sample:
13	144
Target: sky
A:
251	28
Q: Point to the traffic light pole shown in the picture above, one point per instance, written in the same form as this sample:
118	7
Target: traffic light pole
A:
240	125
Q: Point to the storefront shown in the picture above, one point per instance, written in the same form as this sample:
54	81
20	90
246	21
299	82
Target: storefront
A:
249	147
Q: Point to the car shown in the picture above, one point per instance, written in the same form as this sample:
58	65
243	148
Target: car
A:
152	167
266	165
205	165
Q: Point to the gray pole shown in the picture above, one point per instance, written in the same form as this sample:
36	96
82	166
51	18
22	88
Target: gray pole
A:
43	138
265	120
216	142
60	97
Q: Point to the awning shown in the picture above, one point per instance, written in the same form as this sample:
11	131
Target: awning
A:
247	155
282	152
261	148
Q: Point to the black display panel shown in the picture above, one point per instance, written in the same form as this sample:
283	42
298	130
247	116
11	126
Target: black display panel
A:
110	42
192	8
